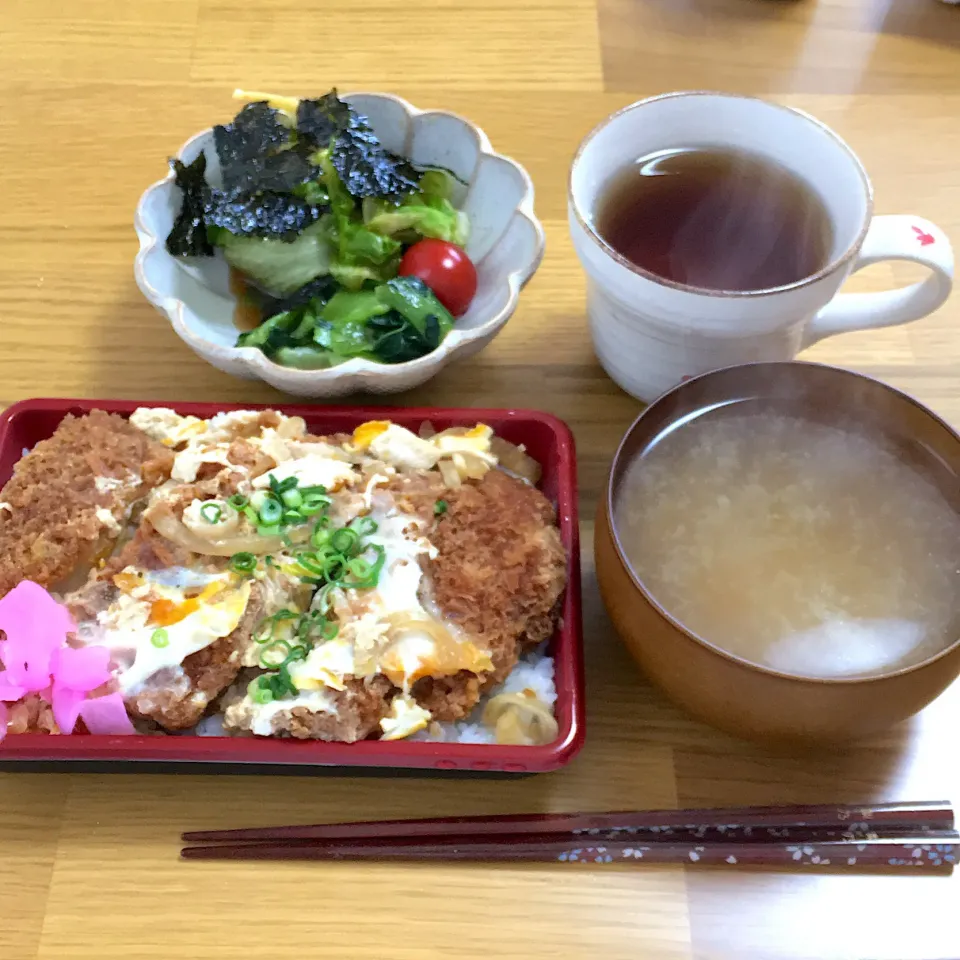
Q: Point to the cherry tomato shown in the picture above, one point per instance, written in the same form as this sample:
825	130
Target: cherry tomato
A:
445	269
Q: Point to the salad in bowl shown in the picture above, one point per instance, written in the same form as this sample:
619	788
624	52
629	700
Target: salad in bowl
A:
329	244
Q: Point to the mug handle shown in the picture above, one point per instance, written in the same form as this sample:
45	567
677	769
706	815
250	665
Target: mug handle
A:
896	237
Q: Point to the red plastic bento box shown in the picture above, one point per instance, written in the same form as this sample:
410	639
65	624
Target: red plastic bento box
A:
546	438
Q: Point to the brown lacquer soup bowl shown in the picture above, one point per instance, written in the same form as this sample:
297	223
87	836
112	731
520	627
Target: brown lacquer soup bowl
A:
743	698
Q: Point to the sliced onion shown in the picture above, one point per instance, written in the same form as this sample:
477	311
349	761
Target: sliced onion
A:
167	524
520	719
292	428
515	460
470	466
451	476
407	621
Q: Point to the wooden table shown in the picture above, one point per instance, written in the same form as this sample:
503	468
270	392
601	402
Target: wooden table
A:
95	94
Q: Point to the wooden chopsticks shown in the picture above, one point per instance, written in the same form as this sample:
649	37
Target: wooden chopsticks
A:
916	835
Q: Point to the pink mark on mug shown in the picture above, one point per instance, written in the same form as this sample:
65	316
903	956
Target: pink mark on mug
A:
925	238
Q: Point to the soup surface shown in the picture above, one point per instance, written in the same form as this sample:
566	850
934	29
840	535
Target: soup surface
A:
806	548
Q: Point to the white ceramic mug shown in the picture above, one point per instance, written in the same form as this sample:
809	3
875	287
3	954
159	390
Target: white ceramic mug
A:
650	333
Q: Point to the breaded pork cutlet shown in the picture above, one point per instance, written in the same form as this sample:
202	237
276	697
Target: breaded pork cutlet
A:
355	712
180	703
177	699
498	575
70	497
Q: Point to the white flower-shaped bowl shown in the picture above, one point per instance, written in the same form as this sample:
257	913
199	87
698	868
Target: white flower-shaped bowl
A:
506	244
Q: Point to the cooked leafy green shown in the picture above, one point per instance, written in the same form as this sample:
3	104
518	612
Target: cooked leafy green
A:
446	223
397	321
304	358
397	339
355	277
353	307
416	303
291	328
271	334
275	266
357	245
426	213
319	290
188	238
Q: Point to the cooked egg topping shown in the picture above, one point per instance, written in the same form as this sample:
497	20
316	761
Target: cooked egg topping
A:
168	427
406	717
457	452
156	623
310	471
386	629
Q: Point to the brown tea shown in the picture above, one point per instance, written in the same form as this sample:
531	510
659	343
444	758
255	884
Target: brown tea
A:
717	219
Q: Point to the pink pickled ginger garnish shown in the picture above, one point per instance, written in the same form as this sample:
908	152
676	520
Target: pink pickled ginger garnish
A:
38	660
106	715
84	669
66	707
8	690
35	625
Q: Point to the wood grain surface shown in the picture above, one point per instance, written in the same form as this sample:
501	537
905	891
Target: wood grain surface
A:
96	94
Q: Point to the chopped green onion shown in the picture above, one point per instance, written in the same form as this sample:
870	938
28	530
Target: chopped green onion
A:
238	501
327	566
292	498
299	652
251	514
312	504
262	634
211	512
329	630
291	517
258	693
271	530
270	512
268	560
440	508
315	489
360	568
269	662
278	684
322	600
160	638
309	563
280	486
345	540
373	577
364	526
243	562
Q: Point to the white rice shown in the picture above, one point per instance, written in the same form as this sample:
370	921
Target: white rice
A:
536	674
534	671
211	726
